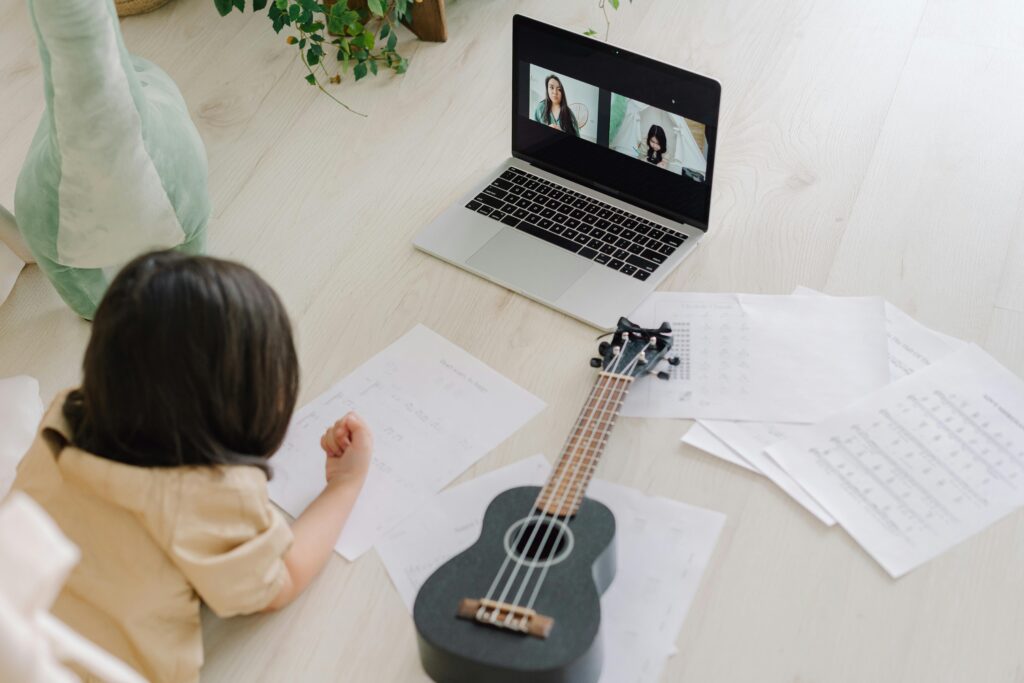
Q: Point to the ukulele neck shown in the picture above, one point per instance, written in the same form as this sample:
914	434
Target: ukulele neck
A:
566	486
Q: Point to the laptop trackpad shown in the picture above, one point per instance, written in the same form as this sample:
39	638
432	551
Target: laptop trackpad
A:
530	265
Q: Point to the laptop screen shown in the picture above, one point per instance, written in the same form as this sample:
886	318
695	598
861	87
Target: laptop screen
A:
624	124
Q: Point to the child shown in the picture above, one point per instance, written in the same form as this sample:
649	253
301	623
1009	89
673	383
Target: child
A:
157	466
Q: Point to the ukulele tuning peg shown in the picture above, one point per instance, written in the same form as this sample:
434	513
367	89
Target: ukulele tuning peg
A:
665	328
663	375
674	360
596	362
603	347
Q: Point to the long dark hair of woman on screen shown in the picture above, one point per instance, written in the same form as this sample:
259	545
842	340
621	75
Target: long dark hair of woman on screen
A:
554	109
657	146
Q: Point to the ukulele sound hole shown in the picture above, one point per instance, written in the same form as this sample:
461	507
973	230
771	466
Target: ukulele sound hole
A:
539	541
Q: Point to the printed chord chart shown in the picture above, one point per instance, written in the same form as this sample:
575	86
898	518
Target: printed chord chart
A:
918	467
763	358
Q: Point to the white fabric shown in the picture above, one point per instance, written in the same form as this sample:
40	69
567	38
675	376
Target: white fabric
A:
10	267
20	412
100	222
35	561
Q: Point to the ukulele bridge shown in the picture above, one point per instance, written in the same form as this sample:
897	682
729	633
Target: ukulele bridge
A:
505	616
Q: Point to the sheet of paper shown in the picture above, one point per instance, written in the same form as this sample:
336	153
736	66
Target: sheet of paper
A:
434	411
911	346
761	357
701	437
20	412
646	604
922	464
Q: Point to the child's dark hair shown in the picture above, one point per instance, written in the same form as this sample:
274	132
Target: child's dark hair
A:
658	133
191	362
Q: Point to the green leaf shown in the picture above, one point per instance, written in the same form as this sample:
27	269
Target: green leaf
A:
302	43
294	12
614	4
376	6
384	31
311	79
360	70
240	4
312	58
373	67
278	17
392	41
368	40
281	4
402	9
355	28
257	5
402	67
223	6
590	32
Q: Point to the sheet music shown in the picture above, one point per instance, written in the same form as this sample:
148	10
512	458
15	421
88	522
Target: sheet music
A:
911	346
760	357
701	437
434	411
644	608
920	465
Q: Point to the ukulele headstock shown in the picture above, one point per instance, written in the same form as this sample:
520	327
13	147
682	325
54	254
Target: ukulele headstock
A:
634	351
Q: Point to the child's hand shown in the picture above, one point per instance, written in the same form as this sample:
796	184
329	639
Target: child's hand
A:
349	447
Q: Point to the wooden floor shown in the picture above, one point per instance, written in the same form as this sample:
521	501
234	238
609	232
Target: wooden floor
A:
866	147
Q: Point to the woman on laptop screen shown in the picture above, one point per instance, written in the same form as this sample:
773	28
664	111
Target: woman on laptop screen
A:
657	147
554	109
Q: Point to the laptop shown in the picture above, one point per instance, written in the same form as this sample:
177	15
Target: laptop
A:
608	187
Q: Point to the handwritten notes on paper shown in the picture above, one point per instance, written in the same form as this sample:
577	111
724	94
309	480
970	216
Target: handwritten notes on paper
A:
922	464
646	604
434	411
767	358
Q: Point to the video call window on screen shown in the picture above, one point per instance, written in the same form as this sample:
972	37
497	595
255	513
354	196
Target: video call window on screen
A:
650	135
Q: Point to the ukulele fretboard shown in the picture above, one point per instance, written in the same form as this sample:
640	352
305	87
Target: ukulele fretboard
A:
568	482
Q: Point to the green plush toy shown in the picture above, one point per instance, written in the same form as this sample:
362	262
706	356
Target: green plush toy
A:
116	167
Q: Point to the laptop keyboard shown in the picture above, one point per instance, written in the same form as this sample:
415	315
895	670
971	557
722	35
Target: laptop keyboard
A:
617	239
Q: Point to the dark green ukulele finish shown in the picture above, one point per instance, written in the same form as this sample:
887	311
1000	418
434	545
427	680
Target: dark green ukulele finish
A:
468	631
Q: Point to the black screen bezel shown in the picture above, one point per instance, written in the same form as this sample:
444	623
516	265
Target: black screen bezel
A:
612	70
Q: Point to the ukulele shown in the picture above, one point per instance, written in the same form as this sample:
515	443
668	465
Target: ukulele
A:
523	602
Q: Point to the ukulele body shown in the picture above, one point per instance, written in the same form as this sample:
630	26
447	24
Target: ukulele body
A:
579	569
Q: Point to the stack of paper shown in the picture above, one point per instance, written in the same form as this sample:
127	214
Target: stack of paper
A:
647	602
908	469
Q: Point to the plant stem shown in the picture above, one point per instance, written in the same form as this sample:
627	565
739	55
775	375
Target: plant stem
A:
321	88
607	21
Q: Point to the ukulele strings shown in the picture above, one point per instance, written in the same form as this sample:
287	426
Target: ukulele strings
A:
579	470
545	516
609	410
519	534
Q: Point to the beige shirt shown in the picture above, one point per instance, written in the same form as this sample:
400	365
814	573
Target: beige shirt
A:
154	542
